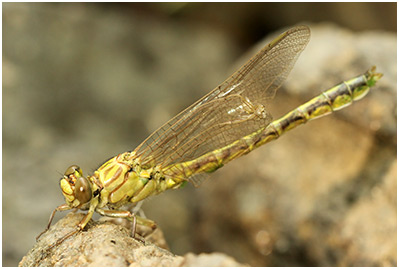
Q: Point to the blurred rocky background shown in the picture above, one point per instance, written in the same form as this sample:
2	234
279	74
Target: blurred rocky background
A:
84	82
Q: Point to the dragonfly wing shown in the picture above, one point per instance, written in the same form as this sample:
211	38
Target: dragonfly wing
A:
234	109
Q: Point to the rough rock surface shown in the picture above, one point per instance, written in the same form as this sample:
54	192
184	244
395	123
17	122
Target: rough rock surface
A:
107	244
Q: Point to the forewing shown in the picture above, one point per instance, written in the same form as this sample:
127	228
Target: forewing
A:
226	113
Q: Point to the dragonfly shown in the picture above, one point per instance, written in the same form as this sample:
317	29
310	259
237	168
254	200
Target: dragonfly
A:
229	122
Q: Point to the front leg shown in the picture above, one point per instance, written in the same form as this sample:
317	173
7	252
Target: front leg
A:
59	208
129	216
81	225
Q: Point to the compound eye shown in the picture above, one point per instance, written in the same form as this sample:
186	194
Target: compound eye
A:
82	190
73	170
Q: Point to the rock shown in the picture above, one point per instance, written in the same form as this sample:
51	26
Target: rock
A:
108	244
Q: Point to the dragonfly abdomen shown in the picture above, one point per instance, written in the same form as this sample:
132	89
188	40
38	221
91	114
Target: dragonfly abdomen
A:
331	100
210	161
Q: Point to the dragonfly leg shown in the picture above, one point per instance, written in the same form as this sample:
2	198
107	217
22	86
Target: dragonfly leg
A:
129	216
80	226
59	208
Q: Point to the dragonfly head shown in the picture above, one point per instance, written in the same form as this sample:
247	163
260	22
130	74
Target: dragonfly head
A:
76	189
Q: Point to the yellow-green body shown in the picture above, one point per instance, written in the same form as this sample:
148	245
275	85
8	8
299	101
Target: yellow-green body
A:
229	122
122	180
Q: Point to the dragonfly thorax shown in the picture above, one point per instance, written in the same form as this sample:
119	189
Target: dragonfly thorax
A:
119	181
